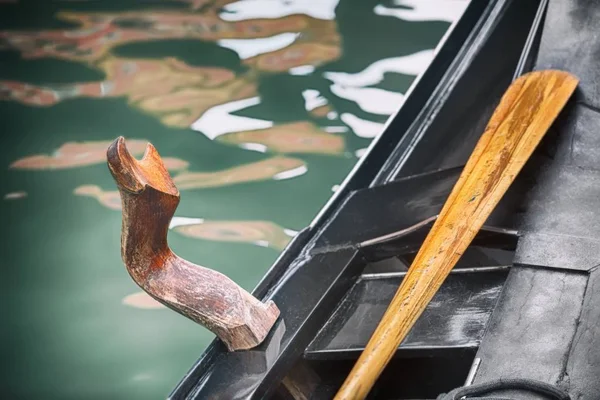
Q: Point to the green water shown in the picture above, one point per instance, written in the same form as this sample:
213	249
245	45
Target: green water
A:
66	332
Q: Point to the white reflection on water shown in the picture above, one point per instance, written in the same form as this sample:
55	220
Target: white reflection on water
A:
425	10
362	127
302	70
259	233
247	48
15	195
412	64
336	129
291	173
250	9
353	87
261	148
141	377
356	87
313	99
218	120
142	301
360	152
372	100
182	221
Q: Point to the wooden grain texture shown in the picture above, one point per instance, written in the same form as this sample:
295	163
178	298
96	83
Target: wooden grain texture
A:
150	198
524	115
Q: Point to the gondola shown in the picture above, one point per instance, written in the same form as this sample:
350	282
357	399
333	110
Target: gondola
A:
524	299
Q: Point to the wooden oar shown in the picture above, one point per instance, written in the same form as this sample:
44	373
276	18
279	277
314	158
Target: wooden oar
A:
523	116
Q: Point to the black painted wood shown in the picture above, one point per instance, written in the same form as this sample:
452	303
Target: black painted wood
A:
393	219
453	322
579	138
582	372
561	228
453	121
530	332
570	43
381	210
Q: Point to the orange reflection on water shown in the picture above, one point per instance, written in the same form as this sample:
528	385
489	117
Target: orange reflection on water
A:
110	199
75	154
175	92
273	168
296	137
261	233
142	300
295	55
98	33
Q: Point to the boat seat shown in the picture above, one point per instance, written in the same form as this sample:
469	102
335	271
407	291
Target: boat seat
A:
453	322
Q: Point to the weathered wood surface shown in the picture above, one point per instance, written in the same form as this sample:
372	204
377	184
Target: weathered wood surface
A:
150	198
524	115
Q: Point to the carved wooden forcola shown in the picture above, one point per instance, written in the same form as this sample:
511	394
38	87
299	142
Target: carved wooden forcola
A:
150	198
524	115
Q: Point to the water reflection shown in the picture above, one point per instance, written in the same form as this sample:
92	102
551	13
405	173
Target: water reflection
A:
110	199
240	10
98	33
272	100
221	119
260	233
81	154
411	64
75	154
15	195
276	168
173	91
143	301
424	10
269	37
296	137
362	128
